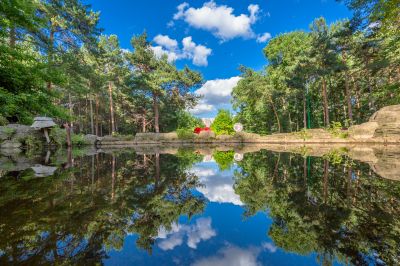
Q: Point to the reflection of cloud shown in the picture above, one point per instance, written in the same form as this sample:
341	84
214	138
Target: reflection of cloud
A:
197	232
218	185
270	247
231	256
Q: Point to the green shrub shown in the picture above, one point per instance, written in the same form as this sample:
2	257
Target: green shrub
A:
58	136
304	134
223	123
184	133
78	140
9	132
32	142
224	159
336	130
3	121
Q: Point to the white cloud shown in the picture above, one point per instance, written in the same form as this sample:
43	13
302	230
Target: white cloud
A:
219	20
218	186
216	94
201	230
270	247
159	51
166	41
231	256
264	37
196	52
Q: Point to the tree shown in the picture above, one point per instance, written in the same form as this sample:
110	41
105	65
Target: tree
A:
223	123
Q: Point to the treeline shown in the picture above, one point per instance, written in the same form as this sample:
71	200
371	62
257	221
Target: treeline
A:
54	61
342	72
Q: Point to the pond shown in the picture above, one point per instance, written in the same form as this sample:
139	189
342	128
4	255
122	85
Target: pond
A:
125	207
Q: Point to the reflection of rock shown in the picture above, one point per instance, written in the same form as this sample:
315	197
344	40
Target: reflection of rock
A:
43	170
10	144
384	123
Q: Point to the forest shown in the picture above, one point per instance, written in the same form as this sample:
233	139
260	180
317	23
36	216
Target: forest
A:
55	61
331	74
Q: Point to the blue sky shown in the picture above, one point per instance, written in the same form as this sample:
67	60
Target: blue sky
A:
213	37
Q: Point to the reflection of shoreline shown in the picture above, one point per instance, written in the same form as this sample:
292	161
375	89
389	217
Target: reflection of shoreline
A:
384	160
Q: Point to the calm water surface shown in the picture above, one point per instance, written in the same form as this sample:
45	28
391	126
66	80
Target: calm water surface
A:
125	208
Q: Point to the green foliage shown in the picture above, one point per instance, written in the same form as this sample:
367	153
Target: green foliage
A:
304	134
336	130
223	123
185	134
32	143
78	140
188	121
9	132
224	159
58	136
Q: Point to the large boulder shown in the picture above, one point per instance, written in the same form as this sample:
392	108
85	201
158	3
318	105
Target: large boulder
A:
206	135
363	131
91	139
388	119
11	144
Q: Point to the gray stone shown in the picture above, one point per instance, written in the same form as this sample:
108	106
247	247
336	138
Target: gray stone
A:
10	144
91	139
206	135
43	122
363	131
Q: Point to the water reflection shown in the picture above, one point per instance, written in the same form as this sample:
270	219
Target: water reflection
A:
124	207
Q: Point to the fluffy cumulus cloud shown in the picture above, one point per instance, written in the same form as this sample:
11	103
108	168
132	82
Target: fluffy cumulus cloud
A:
219	19
215	94
193	234
231	256
190	50
218	186
261	38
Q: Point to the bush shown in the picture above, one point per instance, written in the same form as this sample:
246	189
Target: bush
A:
184	133
223	123
78	140
336	130
58	136
9	132
224	159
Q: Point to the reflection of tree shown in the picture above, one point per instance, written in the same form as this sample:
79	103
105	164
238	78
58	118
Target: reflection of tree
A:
80	212
337	210
224	159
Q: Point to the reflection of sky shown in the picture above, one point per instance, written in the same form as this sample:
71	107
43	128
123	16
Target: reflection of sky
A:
218	185
219	236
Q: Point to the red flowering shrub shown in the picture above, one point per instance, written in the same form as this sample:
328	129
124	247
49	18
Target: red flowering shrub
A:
197	130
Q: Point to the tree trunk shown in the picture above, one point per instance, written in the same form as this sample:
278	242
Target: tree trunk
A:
71	111
91	116
326	179
276	115
325	99
96	119
110	90
113	177
156	113
348	94
13	36
50	53
305	111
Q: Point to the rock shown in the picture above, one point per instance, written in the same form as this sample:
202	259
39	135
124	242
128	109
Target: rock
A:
91	139
142	137
363	131
10	144
206	135
388	114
